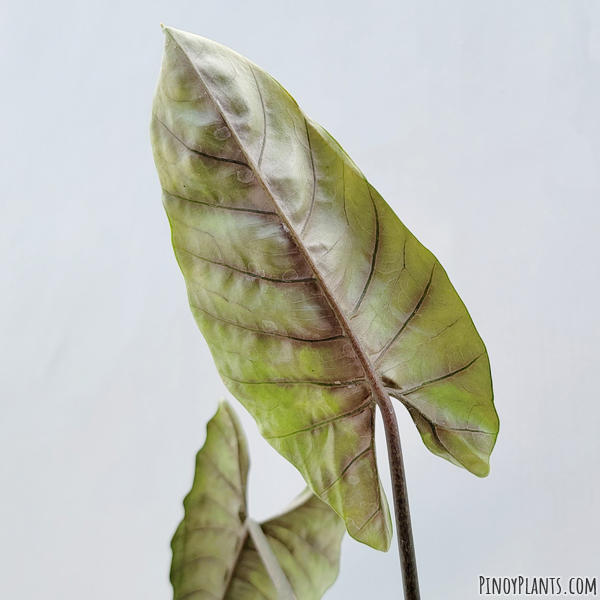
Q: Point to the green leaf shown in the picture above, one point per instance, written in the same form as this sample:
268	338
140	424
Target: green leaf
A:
218	552
308	289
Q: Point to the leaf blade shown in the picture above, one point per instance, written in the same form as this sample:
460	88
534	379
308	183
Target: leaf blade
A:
212	534
270	563
289	256
218	552
306	539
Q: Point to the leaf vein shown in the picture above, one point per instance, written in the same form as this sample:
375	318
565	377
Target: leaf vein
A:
223	206
298	382
409	319
314	185
248	273
430	421
374	257
316	548
346	468
199	152
271	333
251	584
351	413
233	486
290	551
446	376
262	102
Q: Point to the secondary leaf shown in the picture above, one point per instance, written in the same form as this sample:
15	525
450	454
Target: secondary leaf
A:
215	547
308	289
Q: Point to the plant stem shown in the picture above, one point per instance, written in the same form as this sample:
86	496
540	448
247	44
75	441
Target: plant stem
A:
408	561
282	585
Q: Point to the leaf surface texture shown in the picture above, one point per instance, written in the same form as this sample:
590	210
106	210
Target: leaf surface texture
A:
299	275
214	555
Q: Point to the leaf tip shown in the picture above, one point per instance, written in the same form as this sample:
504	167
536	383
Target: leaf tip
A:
483	470
168	32
376	532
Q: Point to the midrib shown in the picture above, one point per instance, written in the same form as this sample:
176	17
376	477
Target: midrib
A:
377	388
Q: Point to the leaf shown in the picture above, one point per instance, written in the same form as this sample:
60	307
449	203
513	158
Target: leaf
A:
309	290
215	548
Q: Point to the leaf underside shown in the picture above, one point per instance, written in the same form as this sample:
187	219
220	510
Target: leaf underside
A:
298	274
214	555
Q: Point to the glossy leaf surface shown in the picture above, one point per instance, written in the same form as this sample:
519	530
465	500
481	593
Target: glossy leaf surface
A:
307	287
214	553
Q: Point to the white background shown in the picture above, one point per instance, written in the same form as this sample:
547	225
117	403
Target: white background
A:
478	121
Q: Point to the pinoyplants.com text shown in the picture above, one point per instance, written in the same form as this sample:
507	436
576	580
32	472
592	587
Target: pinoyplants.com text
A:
537	586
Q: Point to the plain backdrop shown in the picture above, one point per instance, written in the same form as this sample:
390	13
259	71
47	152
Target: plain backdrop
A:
478	121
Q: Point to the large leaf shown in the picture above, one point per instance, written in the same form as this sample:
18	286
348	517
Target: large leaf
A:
308	289
216	550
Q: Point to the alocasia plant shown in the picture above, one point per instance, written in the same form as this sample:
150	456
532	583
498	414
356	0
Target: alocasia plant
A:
220	553
316	301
